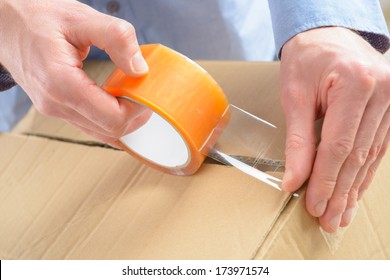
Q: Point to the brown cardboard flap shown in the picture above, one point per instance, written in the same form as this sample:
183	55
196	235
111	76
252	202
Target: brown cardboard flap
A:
296	235
70	199
62	200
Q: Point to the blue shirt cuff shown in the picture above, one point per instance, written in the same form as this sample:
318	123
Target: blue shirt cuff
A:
363	16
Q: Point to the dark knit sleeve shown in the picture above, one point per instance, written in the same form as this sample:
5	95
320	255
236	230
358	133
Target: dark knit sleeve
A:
6	80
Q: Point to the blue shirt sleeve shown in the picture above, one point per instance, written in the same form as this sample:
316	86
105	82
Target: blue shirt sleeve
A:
363	16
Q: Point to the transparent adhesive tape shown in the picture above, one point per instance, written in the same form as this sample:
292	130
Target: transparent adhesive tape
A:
190	119
245	144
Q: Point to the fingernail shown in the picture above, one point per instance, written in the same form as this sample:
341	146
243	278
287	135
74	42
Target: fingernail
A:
138	64
320	208
335	222
347	216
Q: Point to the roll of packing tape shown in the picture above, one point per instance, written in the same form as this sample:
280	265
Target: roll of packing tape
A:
189	110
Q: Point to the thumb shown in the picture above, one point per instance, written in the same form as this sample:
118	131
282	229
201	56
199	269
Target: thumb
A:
115	36
300	138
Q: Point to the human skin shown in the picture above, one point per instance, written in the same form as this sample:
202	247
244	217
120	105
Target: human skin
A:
325	72
332	73
43	45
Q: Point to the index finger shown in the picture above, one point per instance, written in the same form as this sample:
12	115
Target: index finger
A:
83	95
346	106
115	36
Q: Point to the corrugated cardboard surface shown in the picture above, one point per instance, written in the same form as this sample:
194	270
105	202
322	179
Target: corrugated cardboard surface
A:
63	197
296	235
62	200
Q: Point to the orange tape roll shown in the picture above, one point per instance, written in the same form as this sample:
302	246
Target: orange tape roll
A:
189	111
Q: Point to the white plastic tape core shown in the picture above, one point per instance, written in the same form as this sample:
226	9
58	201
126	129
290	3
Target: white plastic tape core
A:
159	142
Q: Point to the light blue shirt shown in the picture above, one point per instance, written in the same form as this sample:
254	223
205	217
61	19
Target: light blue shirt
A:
200	29
224	30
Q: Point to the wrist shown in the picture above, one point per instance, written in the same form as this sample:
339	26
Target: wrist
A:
325	39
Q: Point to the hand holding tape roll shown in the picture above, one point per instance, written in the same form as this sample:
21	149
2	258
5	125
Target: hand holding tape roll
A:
191	117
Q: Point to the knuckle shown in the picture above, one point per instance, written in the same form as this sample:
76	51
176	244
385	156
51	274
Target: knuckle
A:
295	142
121	30
363	75
326	183
353	193
339	199
358	157
340	148
340	196
373	153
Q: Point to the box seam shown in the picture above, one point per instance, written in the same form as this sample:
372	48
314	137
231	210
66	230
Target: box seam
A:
69	140
291	199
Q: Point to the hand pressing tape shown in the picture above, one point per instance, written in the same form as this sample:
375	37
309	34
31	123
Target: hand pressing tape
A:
189	110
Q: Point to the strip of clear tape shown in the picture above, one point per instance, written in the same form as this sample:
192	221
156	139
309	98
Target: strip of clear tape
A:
245	143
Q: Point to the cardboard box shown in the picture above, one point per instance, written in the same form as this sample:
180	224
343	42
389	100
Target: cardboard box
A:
65	196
